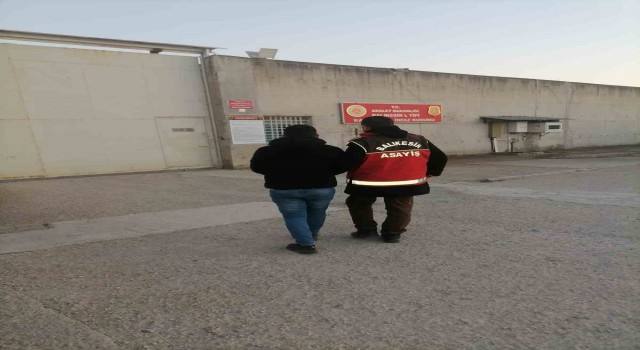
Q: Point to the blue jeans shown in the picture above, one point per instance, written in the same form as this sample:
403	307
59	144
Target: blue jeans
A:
304	211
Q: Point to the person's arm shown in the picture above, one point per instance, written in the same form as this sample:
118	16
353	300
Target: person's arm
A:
352	157
335	166
260	160
437	161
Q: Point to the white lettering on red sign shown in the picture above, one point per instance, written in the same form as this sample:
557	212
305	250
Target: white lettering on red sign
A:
240	104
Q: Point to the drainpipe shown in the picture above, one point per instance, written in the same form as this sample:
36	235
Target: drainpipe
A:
216	143
535	102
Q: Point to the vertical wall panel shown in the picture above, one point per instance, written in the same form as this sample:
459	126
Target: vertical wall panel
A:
18	153
93	112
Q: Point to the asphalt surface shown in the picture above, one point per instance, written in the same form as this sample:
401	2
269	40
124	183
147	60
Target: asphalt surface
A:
507	252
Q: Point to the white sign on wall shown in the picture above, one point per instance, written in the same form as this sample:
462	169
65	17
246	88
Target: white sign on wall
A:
247	130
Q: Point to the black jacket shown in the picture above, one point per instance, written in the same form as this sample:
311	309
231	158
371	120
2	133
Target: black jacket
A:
297	162
354	156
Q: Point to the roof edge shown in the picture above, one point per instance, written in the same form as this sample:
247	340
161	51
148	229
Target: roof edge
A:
103	42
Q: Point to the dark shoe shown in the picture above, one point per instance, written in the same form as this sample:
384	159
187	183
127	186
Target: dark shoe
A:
364	234
390	238
302	249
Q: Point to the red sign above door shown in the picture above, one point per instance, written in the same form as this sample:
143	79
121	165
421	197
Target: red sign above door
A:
353	113
240	104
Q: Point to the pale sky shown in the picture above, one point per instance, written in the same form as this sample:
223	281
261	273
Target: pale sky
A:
590	41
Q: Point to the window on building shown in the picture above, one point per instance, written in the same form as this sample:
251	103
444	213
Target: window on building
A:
274	125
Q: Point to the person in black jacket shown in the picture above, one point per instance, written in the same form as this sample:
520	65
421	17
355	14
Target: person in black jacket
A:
299	170
386	161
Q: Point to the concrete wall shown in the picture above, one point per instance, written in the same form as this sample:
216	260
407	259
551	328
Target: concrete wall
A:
592	115
72	112
231	79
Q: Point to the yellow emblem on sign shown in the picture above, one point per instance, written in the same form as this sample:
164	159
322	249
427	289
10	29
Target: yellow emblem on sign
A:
434	110
356	111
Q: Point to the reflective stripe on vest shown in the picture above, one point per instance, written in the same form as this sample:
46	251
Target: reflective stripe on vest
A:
389	183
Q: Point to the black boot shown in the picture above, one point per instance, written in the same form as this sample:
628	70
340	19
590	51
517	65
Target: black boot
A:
302	249
361	234
388	237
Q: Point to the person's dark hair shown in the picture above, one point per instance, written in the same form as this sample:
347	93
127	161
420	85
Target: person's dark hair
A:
376	122
300	131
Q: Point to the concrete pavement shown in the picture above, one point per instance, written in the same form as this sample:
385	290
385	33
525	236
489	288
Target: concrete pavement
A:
544	255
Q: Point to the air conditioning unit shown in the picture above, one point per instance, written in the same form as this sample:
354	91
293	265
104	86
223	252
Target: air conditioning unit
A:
517	127
545	127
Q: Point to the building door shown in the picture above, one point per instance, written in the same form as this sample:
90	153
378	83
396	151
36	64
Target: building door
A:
185	143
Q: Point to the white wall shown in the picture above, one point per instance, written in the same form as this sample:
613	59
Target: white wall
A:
70	111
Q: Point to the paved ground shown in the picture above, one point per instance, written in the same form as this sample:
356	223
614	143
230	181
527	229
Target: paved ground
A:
507	252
